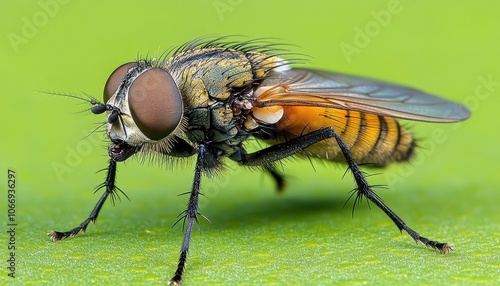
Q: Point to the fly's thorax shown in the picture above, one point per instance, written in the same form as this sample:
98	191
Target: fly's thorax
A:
210	74
144	105
206	75
210	80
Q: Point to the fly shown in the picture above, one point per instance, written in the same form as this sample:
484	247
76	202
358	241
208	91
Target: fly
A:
207	98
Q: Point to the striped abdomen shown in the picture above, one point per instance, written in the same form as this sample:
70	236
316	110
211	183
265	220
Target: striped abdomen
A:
371	138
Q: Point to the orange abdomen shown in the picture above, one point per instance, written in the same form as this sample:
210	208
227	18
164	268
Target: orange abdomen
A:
371	138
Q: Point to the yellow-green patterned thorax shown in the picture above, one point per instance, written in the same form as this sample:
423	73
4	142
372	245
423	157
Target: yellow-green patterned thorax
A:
209	79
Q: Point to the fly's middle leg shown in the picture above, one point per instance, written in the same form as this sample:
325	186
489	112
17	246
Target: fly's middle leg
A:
190	216
279	179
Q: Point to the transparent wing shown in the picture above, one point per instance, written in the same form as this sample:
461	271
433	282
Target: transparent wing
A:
317	88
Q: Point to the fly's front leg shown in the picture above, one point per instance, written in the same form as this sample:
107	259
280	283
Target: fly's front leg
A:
191	215
110	190
280	151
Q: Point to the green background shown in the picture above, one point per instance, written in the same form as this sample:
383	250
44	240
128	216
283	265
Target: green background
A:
449	192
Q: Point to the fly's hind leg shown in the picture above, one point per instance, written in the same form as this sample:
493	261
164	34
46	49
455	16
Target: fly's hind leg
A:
266	156
364	189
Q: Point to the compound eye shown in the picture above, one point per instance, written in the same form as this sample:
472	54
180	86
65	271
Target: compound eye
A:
115	79
155	103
